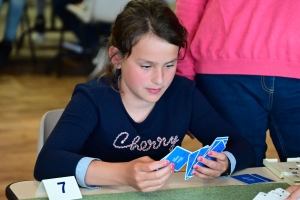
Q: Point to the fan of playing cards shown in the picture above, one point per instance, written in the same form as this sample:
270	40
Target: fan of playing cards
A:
278	194
180	156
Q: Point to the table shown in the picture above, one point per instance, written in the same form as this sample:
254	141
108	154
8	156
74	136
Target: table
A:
176	185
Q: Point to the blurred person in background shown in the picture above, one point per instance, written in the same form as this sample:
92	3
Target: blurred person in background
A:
90	34
13	17
38	34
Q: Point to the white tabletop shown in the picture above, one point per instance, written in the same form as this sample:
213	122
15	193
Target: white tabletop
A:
27	189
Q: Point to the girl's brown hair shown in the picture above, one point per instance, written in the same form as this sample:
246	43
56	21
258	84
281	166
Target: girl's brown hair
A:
141	17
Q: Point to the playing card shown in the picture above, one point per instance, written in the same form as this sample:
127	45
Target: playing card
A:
222	138
263	178
192	160
203	151
277	194
218	145
261	196
189	166
248	179
283	192
178	156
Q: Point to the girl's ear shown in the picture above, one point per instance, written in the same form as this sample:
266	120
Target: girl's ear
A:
115	56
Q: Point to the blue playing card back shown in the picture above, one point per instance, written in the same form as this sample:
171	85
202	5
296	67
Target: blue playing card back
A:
189	166
218	145
263	178
248	179
178	156
192	160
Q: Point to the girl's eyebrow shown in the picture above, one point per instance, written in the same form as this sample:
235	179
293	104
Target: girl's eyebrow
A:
150	62
171	61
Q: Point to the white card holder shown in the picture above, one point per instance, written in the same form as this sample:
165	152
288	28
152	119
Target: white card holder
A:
64	188
292	180
282	169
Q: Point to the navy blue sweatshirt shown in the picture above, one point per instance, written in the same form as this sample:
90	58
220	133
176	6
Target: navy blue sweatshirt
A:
95	124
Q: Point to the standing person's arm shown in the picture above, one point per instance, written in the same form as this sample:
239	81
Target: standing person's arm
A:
207	124
189	13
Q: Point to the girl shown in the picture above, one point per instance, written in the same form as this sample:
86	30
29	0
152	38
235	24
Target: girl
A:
116	129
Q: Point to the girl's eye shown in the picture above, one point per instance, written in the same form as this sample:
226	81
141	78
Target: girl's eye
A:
169	66
146	66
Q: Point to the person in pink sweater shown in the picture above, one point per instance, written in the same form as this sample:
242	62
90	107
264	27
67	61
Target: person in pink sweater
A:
245	58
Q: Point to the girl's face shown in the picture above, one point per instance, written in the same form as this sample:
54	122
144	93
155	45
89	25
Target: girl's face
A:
148	71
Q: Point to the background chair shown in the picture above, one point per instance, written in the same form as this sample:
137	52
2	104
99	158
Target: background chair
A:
98	11
25	24
27	30
47	123
89	12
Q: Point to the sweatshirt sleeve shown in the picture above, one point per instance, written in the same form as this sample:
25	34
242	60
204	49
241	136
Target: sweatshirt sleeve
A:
62	150
189	13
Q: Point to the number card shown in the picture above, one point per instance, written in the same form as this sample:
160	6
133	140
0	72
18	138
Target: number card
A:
65	188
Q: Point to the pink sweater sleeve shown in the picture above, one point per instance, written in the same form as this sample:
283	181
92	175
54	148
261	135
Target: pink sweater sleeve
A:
189	13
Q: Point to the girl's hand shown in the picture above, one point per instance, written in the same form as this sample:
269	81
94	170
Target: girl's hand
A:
144	176
214	168
295	192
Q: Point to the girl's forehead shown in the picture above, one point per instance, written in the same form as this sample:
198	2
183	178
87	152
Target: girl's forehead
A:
151	36
153	49
151	41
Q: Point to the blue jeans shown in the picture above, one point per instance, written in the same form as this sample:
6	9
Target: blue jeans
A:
13	17
254	104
